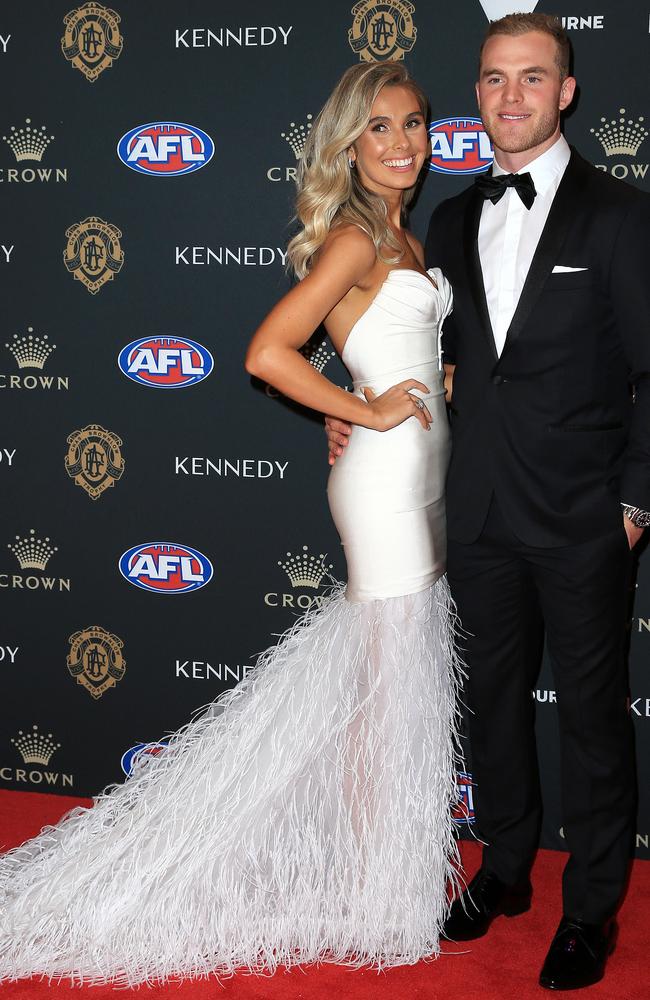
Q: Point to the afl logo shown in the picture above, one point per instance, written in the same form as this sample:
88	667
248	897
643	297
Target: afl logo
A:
463	810
165	567
141	752
459	146
165	149
165	362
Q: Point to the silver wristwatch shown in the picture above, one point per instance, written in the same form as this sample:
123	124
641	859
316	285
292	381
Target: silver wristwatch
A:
638	517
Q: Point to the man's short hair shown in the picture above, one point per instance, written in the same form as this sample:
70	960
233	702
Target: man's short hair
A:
520	24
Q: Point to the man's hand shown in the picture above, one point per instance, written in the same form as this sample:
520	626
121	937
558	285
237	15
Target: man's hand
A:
338	433
633	533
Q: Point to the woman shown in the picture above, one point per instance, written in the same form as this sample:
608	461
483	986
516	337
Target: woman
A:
306	815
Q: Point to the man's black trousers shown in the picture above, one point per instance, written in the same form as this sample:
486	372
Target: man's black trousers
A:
504	591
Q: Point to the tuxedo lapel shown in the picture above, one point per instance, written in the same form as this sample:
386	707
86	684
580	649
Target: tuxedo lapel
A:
559	221
473	263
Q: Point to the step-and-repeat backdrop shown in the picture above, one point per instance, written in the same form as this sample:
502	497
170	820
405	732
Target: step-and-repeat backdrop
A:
163	516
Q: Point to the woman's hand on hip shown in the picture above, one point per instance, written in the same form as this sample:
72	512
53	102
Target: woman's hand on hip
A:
397	404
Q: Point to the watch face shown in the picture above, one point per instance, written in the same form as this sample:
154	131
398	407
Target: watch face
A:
639	518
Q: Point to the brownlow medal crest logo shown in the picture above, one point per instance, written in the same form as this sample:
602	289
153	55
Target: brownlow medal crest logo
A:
382	29
95	659
93	253
92	39
94	459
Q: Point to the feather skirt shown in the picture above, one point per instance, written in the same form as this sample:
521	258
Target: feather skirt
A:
304	816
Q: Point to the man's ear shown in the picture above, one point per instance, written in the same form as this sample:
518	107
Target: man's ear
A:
567	91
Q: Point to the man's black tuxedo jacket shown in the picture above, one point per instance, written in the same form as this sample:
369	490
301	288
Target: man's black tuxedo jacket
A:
551	427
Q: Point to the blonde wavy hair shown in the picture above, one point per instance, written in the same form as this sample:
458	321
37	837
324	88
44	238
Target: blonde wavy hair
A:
329	192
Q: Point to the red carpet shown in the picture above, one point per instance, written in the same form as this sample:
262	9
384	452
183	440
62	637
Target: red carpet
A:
502	966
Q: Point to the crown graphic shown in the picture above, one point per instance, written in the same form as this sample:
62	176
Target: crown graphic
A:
28	143
296	136
34	747
317	355
304	570
621	136
30	351
32	552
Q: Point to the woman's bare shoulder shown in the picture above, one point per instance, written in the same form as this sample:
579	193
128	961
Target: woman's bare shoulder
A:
347	246
352	238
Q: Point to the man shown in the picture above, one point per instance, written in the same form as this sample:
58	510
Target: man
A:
548	262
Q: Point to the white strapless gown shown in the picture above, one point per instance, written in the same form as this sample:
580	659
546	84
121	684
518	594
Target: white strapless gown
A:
306	815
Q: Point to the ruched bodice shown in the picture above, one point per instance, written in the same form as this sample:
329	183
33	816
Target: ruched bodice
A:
399	332
386	492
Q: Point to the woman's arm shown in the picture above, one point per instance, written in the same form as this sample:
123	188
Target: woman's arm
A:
273	354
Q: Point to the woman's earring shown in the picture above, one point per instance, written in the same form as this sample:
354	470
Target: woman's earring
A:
351	162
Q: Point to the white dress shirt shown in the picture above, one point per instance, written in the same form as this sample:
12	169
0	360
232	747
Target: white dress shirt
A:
509	233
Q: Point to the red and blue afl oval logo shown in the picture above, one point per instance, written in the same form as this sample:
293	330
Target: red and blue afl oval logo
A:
165	149
459	146
165	362
463	810
165	567
139	752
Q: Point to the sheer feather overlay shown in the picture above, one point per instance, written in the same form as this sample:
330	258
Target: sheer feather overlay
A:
304	816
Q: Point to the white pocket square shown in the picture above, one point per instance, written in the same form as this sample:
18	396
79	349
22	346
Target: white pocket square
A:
561	269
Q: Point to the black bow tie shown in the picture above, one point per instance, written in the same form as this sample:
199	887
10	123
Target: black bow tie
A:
494	188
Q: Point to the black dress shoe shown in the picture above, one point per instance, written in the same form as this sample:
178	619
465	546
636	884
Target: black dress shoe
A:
485	898
577	955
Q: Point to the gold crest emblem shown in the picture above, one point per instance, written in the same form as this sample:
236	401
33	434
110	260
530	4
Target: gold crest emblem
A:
93	253
95	659
92	39
94	459
382	30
